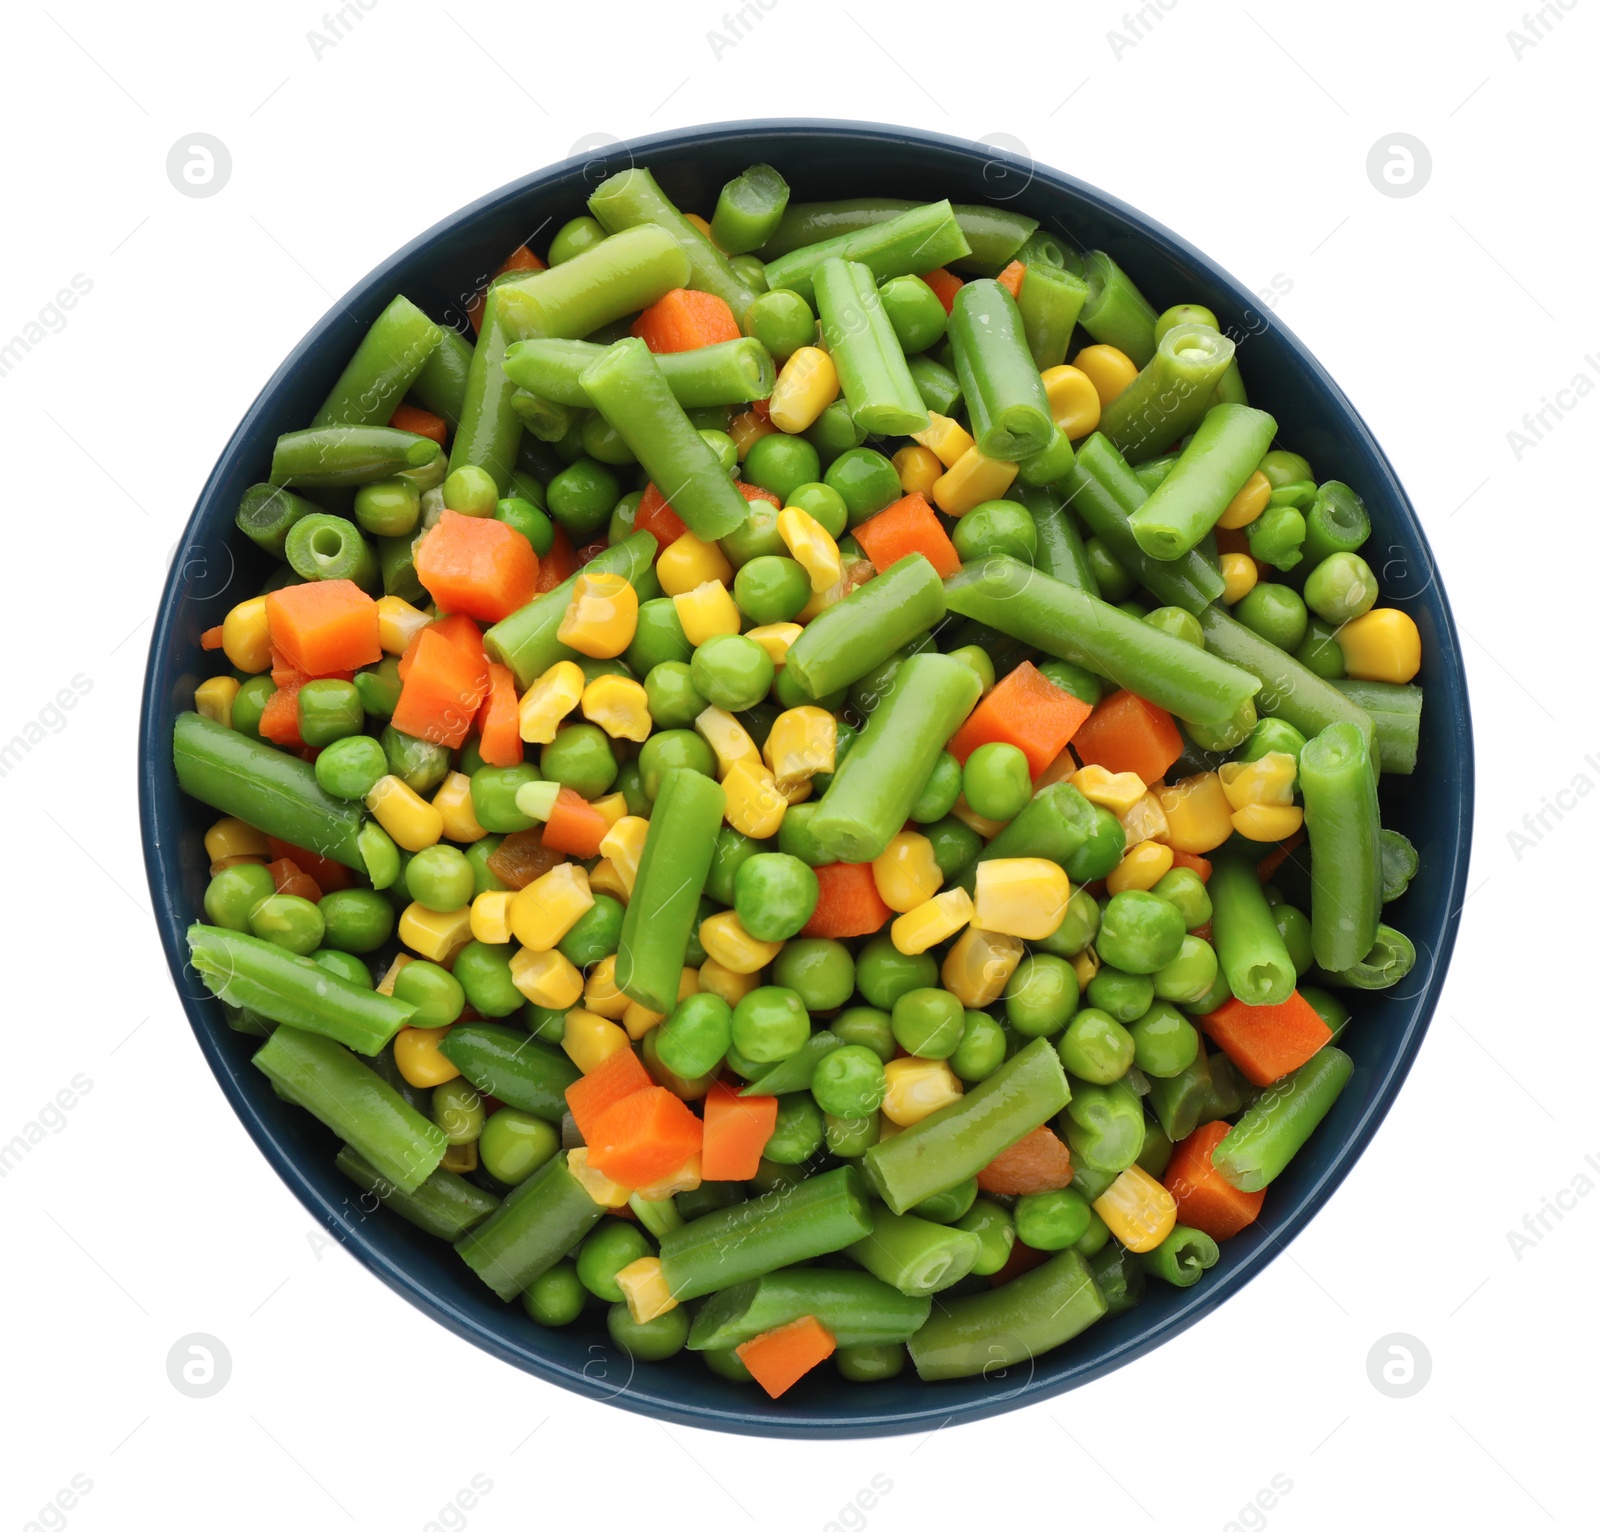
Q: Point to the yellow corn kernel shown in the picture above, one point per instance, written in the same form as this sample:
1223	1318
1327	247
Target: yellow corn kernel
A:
727	942
1138	1209
706	611
491	917
413	823
213	699
638	1019
245	638
618	704
392	972
460	1158
701	224
947	439
1143	865
906	873
729	740
546	978
807	385
684	1179
974	479
602	1190
600	992
1086	965
917	1088
233	837
398	623
601	616
821	600
1268	780
1146	820
589	1038
812	546
1381	645
434	934
622	845
645	1290
969	816
1239	576
1108	369
549	907
802	743
454	803
605	879
1268	821
1022	896
930	922
746	430
417	1056
976	968
918	469
776	638
1198	813
688	562
796	791
226	862
1249	503
755	803
725	983
611	808
1074	400
1114	791
548	700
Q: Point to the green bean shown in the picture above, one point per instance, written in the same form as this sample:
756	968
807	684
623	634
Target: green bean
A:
267	513
1282	1118
1104	1125
1050	301
1119	1276
1336	522
329	457
1212	469
854	1307
1116	312
1396	713
387	362
490	430
994	234
1171	393
441	386
543	418
1054	824
1340	789
856	635
730	372
1180	1100
323	547
445	1205
1392	957
794	1072
873	376
512	1067
1182	1258
1400	863
915	241
1059	551
939	387
749	209
1250	950
914	1255
1006	403
541	1222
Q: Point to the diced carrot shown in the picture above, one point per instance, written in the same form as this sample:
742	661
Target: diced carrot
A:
520	259
477	566
575	826
461	631
620	1075
761	409
1126	733
1037	1162
685	320
1275	858
499	742
407	417
323	626
1267	1041
328	875
443	689
754	492
212	638
658	518
1203	932
280	718
591	551
1195	864
848	902
1206	1199
945	285
558	565
736	1131
908	526
644	1137
1027	710
1022	1258
778	1359
1011	278
289	879
521	857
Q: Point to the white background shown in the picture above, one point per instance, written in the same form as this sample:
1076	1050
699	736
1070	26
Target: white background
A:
1445	315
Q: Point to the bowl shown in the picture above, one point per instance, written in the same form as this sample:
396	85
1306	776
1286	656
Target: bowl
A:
216	567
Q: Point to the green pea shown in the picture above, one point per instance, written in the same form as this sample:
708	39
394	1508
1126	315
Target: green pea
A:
1115	583
866	480
329	711
1101	851
1341	588
1328	1006
783	322
525	517
695	1036
996	780
579	757
1190	975
781	463
288	921
833	433
630	783
356	919
1165	1042
471	491
457	1110
484	974
1272	734
870	1364
884	974
996	526
249	703
758	720
1074	679
514	1144
746	1069
574	237
652	1340
798	1133
1176	622
440	878
609	1247
824	504
915	312
1276	612
435	991
345	964
1041	995
725	1363
1139	932
819	970
796	839
1184	313
940	791
555	1297
1293	927
1052	1220
671	697
388	507
421	765
731	852
871	1028
851	1137
1077	928
469	756
774	895
233	894
382	857
604	444
928	1023
949	1205
731	671
484	878
1096	1047
1318	651
547	1025
977	659
770	1023
1181	886
672	748
580	497
1282	467
849	1082
659	637
756	538
1276	536
771	589
1218	995
378	686
595	934
787	693
955	846
993	1225
1126	996
982	1048
623	516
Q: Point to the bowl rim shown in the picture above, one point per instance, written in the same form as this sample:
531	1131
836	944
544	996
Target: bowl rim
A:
1196	1302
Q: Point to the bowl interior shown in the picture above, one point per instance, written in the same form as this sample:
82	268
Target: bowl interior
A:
439	271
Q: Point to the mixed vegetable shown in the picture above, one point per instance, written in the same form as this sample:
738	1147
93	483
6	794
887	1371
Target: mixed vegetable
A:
756	793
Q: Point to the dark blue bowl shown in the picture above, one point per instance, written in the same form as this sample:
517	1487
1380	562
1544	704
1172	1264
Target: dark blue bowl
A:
216	568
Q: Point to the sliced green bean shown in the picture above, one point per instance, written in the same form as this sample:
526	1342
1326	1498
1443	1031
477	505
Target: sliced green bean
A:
1263	1141
388	361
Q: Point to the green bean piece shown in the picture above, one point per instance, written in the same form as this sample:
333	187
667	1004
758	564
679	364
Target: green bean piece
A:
1054	824
490	430
1212	469
387	362
1280	1120
1250	950
1180	1100
793	1072
542	1221
1392	957
914	1255
915	241
1006	403
1396	713
1340	789
1050	301
1400	863
267	513
1119	1276
749	209
939	387
441	385
1182	1258
1115	313
330	457
994	234
730	372
512	1067
1058	550
1336	522
853	1306
445	1205
1171	393
1104	1125
323	547
877	385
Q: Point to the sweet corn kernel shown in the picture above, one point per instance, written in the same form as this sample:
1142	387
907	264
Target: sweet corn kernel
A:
755	804
812	546
548	700
1268	780
746	430
1022	896
976	967
600	992
393	971
1248	504
795	791
224	863
1146	820
821	600
1198	813
971	480
245	637
611	808
546	978
907	873
727	942
454	803
930	922
729	740
601	616
1143	865
213	699
688	562
776	638
1086	965
233	837
684	1179
1381	645
1074	401
398	623
417	1056
918	469
701	224
1239	576
706	611
491	917
947	439
725	983
605	879
802	743
434	934
1108	369
602	1190
412	823
638	1019
645	1290
807	385
1268	821
589	1038
1114	791
619	705
622	845
1138	1209
549	907
917	1088
987	828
